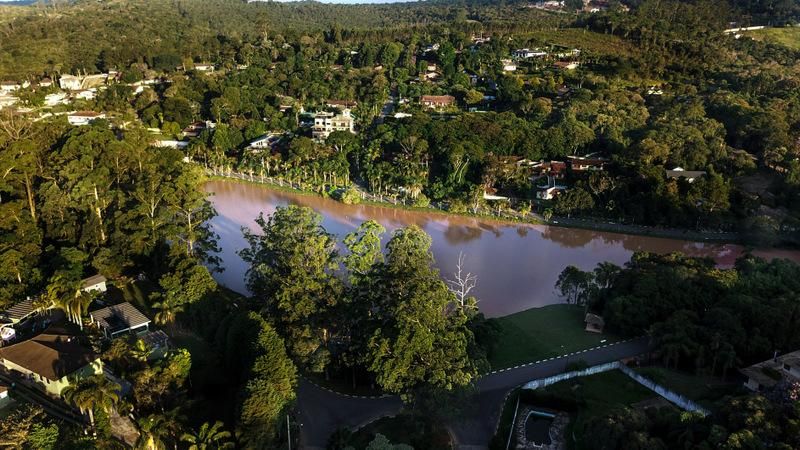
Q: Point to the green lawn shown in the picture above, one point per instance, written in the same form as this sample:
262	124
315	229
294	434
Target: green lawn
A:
598	395
705	390
541	333
788	37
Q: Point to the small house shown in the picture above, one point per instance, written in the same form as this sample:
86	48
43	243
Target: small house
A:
52	360
45	82
594	323
204	67
171	143
267	141
18	312
508	65
120	319
586	163
9	86
82	118
70	82
769	373
8	100
55	99
437	101
688	175
94	283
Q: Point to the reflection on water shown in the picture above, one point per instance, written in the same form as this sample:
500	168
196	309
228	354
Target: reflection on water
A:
517	265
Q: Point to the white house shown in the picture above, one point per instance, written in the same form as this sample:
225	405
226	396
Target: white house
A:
70	82
526	53
9	86
688	175
45	82
94	283
55	99
204	67
86	94
81	118
508	65
264	142
171	143
8	100
326	123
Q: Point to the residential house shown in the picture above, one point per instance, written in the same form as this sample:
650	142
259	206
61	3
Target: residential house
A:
45	82
526	53
94	283
7	87
587	163
194	129
81	118
86	94
326	123
341	104
267	141
594	323
204	67
119	319
55	99
8	100
52	360
431	48
549	192
437	101
171	143
402	115
688	175
158	342
767	374
70	82
508	65
566	65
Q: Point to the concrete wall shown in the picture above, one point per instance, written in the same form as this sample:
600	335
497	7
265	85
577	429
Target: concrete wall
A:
675	398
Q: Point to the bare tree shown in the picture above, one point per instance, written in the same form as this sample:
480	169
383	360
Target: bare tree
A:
463	284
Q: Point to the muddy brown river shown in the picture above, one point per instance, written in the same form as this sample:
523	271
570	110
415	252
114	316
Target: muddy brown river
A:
516	264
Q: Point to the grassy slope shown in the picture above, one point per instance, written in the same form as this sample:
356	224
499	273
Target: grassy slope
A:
588	41
788	37
540	333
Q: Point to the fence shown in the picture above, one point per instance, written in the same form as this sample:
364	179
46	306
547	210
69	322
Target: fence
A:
677	399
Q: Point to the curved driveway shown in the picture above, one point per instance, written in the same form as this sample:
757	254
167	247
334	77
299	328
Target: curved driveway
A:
322	411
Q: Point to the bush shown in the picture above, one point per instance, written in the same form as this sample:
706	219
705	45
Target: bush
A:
349	196
422	201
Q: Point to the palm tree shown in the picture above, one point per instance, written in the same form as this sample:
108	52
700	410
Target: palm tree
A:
167	311
209	437
91	393
152	433
63	292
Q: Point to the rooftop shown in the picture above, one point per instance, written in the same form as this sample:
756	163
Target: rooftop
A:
768	373
20	310
119	317
53	354
93	280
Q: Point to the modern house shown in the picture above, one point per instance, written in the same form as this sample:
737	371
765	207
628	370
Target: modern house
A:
767	374
437	101
77	83
204	67
70	82
194	129
264	142
171	143
587	163
119	319
688	175
526	53
341	104
326	123
82	118
94	283
55	99
52	360
45	82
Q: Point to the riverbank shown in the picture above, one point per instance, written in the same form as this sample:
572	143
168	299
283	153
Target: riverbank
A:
503	217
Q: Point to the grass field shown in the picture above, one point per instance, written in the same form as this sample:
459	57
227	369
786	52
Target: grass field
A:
540	333
702	389
403	429
788	37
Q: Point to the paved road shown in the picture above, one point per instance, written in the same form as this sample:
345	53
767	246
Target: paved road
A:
321	411
478	426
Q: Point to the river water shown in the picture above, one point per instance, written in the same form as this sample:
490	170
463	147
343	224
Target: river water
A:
517	265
